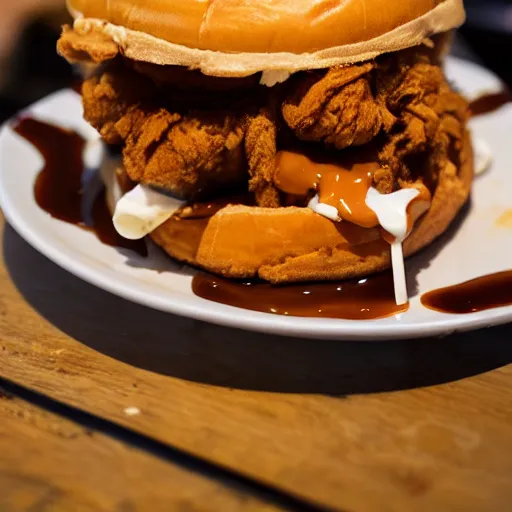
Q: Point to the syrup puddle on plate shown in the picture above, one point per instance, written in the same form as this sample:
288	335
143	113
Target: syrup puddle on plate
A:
482	293
364	299
59	188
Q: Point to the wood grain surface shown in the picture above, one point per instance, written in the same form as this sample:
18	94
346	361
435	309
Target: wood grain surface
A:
48	463
415	425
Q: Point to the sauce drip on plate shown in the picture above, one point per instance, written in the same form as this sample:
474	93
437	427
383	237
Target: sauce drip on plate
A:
364	299
58	189
488	103
488	292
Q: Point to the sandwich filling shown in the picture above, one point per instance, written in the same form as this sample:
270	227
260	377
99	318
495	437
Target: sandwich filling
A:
333	140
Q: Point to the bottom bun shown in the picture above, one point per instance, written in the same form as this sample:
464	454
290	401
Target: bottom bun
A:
284	245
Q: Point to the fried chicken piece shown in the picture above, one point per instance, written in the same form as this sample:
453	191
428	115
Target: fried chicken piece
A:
338	109
422	118
428	126
107	97
94	47
191	156
261	149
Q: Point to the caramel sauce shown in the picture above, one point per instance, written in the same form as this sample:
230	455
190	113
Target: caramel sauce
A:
488	103
296	174
58	188
488	292
365	299
343	184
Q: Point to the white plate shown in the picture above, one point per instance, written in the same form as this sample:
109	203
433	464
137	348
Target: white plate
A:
476	248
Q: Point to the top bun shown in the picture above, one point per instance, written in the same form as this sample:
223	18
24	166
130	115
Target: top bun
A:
235	37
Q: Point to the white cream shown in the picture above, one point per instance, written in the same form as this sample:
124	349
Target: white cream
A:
483	156
108	173
142	210
391	210
274	77
323	209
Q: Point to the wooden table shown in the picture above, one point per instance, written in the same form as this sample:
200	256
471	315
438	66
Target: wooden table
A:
107	405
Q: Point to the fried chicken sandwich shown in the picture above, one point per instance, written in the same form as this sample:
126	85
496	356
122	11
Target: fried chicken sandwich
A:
291	136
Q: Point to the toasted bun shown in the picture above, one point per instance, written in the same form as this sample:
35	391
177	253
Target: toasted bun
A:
242	37
294	244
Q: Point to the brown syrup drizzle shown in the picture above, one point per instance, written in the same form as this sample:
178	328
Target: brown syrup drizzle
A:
58	188
488	103
365	299
487	292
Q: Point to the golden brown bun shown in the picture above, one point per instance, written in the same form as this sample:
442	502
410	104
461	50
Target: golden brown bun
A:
294	244
235	37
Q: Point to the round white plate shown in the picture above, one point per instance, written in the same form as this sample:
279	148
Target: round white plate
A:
476	247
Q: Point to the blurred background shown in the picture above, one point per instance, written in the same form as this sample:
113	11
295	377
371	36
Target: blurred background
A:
30	68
